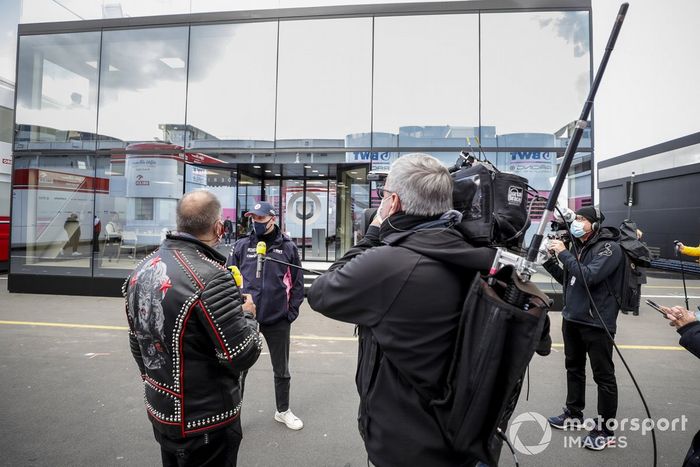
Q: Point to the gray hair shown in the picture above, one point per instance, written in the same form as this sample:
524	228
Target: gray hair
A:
422	183
197	212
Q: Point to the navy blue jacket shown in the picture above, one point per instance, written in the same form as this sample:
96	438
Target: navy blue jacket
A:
601	261
280	290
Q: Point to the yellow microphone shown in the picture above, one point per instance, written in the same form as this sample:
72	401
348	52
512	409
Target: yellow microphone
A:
237	276
260	250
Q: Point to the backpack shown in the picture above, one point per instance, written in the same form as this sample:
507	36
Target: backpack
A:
635	255
493	204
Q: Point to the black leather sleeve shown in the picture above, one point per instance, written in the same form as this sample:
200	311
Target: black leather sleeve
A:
235	336
133	342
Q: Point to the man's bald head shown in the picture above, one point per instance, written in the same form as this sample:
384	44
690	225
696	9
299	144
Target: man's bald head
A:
197	212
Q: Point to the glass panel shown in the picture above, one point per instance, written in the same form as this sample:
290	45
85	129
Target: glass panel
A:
136	207
579	194
231	90
353	192
57	91
315	210
436	101
52	215
535	76
222	183
324	89
293	212
8	24
142	86
249	193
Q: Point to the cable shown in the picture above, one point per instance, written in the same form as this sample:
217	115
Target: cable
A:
510	446
607	331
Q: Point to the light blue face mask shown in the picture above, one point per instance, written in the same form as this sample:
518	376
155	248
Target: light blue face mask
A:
577	229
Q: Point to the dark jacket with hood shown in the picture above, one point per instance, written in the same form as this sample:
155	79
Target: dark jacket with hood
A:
404	286
279	291
189	337
601	268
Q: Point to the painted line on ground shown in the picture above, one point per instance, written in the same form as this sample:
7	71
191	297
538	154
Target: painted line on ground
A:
294	337
635	347
65	325
670	296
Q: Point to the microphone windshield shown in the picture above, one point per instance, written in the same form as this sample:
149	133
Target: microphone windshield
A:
261	248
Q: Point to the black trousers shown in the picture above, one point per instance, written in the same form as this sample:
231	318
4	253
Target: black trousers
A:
277	339
214	449
581	340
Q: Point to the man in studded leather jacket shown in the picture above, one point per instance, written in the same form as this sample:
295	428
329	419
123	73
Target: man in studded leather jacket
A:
191	333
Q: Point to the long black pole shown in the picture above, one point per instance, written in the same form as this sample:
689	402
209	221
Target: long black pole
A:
318	273
581	124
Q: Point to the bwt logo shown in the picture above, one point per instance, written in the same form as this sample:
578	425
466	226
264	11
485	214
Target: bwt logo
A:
530	156
141	182
371	156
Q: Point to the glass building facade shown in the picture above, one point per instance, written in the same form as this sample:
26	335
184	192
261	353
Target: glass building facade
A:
117	118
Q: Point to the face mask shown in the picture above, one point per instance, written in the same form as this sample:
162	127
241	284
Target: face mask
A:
260	228
577	229
381	217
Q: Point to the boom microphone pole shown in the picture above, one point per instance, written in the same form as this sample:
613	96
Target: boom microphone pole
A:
581	125
311	271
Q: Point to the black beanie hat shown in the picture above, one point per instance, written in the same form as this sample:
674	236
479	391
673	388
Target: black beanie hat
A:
589	212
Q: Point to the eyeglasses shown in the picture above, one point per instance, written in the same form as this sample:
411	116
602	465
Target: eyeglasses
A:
381	191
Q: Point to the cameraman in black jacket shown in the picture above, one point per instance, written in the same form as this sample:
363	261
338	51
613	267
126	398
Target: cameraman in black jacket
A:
600	259
404	285
191	333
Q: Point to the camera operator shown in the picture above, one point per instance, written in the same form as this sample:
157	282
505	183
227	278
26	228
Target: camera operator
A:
600	260
404	285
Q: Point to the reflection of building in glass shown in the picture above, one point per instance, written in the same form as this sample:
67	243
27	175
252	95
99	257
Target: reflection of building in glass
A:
264	110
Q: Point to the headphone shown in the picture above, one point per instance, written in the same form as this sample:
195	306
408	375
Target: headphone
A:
596	225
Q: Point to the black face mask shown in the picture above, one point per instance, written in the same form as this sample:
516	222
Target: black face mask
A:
260	228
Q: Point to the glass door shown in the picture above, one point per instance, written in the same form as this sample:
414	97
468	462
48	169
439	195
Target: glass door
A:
352	196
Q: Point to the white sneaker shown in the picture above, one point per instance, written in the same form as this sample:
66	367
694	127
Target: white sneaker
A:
288	418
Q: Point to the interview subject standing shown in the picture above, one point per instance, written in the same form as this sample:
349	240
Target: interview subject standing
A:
277	293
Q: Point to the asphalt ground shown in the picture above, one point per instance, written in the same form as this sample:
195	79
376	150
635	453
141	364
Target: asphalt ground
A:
70	395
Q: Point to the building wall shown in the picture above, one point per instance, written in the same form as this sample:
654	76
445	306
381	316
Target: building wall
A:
666	200
650	91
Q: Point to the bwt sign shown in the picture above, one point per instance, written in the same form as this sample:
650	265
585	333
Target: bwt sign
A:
530	156
372	156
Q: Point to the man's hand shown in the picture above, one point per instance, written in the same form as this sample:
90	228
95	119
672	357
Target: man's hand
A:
557	246
248	305
678	316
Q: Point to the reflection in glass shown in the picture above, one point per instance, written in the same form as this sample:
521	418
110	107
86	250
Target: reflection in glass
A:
324	90
535	76
142	86
136	208
426	80
353	196
57	91
293	212
231	87
52	220
249	193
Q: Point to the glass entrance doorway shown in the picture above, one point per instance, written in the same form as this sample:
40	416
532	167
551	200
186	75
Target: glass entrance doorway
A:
320	210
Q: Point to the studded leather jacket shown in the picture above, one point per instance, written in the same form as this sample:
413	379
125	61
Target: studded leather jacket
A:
189	337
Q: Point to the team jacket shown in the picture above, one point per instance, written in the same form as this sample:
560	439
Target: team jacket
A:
601	269
279	291
189	337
